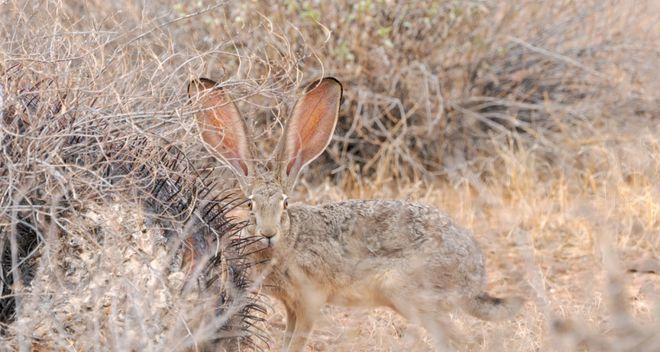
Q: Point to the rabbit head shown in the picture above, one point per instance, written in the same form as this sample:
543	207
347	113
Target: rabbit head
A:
306	134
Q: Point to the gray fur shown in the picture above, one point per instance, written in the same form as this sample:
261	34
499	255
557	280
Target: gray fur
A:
409	257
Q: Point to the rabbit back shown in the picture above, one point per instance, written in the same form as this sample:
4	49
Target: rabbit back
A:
354	248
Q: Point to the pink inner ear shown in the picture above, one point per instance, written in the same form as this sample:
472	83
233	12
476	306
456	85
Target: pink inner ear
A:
295	158
310	127
241	164
233	158
222	129
290	166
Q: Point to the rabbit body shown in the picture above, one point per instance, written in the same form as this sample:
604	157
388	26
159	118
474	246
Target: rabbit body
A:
356	252
409	257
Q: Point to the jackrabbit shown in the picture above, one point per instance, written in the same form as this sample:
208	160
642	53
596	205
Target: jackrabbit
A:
409	257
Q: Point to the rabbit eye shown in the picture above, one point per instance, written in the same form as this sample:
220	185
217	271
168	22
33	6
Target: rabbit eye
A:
249	204
285	203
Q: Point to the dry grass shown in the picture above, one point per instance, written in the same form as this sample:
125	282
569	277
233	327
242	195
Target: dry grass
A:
535	124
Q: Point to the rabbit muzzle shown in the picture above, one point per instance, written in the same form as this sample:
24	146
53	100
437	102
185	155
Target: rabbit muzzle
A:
269	236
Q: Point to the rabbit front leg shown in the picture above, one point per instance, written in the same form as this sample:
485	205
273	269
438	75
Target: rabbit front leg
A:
303	327
305	315
290	326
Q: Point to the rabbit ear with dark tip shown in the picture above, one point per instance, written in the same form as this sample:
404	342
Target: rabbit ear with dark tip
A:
309	129
221	128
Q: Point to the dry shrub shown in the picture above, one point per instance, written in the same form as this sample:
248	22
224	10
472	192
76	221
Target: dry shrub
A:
110	232
432	85
525	105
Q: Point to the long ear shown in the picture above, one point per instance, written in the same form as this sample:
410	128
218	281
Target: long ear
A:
221	128
309	129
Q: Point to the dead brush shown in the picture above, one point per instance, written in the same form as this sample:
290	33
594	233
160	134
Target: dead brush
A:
97	217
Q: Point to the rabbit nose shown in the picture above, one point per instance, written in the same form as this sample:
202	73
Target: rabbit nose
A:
268	233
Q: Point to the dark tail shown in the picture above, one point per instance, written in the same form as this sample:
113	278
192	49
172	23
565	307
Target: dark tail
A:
487	307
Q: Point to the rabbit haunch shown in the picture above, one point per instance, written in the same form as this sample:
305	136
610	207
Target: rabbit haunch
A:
405	256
